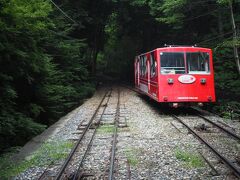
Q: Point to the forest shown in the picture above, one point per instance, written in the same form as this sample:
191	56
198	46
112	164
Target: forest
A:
53	52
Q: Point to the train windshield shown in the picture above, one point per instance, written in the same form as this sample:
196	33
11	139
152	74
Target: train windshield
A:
198	63
172	63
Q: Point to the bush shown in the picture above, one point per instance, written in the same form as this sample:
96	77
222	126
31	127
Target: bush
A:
230	110
16	129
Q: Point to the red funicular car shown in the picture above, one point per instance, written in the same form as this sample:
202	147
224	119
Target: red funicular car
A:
178	75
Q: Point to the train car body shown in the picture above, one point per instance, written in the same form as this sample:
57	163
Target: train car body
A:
176	75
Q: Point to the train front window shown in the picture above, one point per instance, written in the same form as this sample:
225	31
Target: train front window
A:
198	63
172	63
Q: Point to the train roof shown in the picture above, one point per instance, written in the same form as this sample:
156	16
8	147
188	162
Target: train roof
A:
181	48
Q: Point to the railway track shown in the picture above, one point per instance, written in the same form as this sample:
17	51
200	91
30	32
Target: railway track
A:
113	151
61	171
66	163
233	166
110	165
78	174
228	162
228	132
69	169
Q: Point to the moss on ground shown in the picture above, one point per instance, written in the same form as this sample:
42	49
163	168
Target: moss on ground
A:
132	155
190	159
48	153
106	128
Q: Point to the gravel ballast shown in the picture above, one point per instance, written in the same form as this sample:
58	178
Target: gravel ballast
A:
151	145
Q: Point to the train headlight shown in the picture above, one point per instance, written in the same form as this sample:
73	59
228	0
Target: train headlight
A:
170	81
165	98
203	81
210	98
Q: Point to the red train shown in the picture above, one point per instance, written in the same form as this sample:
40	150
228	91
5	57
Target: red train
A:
178	75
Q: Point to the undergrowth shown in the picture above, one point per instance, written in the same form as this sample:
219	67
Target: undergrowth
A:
131	155
191	160
105	129
48	153
229	110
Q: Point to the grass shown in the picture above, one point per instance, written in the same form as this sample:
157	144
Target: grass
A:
131	155
48	153
191	160
106	129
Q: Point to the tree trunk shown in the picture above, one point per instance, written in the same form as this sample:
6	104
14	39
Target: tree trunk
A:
95	50
94	61
235	49
220	22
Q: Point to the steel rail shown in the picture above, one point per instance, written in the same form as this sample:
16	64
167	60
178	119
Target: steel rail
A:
113	152
235	136
209	164
78	173
221	128
223	159
128	170
60	173
45	171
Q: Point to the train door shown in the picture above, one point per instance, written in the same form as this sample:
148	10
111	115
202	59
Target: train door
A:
148	74
137	75
153	74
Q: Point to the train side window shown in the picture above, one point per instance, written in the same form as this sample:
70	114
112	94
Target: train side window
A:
145	65
141	66
198	63
136	66
153	65
172	63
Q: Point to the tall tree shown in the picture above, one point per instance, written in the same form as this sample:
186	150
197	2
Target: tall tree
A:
43	68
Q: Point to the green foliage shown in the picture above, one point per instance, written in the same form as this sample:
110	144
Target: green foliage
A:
132	156
27	14
231	43
226	76
16	128
190	160
138	2
138	26
228	109
224	2
106	129
119	51
43	74
48	153
46	63
169	11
